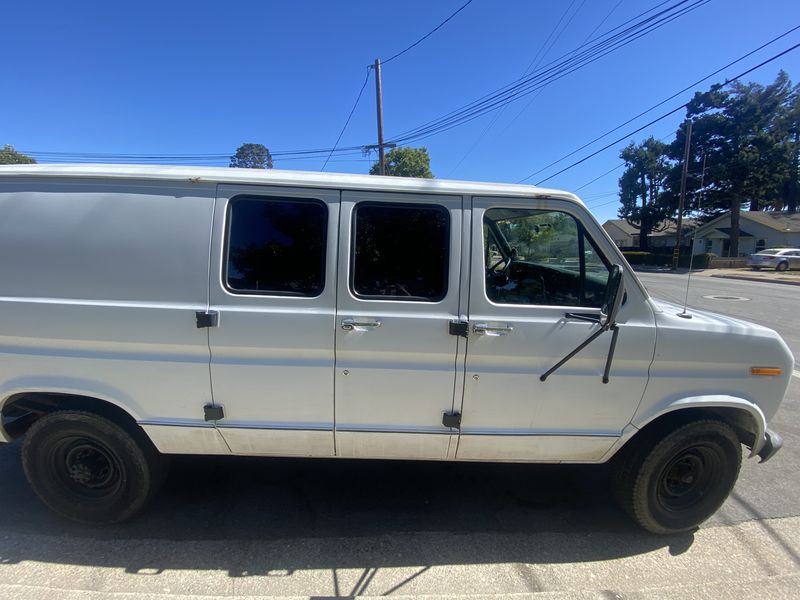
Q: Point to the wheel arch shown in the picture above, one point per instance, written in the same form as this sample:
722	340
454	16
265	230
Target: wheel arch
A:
745	417
19	410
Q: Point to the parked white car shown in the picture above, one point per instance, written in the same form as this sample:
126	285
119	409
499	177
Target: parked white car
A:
780	259
149	311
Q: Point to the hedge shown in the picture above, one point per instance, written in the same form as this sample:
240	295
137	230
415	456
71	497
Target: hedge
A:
665	260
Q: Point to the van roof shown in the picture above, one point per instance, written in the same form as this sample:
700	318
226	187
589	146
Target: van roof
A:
312	179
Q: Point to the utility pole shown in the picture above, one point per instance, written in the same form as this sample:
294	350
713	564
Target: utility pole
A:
379	101
676	254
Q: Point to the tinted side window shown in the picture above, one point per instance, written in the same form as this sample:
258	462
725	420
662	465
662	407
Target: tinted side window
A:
401	251
276	246
541	257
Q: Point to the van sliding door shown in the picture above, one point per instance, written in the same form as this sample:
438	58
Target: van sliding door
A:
398	291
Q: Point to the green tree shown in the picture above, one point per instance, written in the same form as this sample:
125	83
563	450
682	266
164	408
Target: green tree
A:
406	162
789	122
643	192
252	156
739	130
9	156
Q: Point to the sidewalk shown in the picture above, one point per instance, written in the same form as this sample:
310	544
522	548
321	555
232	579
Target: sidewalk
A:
771	276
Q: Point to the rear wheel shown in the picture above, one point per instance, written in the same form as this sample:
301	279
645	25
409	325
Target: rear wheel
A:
89	469
676	482
782	266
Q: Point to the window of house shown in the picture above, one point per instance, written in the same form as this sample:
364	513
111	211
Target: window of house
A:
401	251
709	245
543	257
276	246
760	245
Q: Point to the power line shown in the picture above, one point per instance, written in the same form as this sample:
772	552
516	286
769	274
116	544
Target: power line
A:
675	95
347	122
427	35
614	39
608	42
662	117
583	43
525	72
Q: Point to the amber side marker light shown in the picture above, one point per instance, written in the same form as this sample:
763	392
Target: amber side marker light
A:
769	371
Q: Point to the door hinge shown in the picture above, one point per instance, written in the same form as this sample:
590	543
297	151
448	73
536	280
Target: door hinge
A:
206	318
459	328
451	419
213	412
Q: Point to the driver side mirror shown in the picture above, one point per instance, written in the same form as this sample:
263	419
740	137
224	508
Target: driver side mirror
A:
615	289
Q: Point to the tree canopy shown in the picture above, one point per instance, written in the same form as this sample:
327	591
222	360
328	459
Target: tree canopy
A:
9	156
642	187
406	162
744	154
252	156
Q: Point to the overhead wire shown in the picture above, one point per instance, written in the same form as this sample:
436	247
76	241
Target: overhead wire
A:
673	96
583	43
499	113
560	68
427	35
662	117
347	122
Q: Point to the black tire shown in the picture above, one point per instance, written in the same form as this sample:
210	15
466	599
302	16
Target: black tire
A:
782	266
89	469
677	481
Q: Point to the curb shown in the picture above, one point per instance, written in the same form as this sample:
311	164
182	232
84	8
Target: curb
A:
757	279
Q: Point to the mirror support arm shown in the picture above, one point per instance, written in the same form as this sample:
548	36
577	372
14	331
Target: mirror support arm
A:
614	335
583	345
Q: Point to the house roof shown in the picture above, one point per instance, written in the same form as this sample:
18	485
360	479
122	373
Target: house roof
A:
779	221
672	228
306	179
727	231
623	225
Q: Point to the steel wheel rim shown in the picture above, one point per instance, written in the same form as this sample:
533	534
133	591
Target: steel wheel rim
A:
689	478
86	468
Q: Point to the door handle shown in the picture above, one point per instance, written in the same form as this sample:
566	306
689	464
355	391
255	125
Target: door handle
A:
492	330
353	324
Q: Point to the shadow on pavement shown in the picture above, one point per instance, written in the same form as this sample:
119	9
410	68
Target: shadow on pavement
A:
248	515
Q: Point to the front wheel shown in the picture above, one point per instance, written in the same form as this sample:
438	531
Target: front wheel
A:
680	480
89	469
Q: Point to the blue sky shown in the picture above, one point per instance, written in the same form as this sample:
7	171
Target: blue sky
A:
203	77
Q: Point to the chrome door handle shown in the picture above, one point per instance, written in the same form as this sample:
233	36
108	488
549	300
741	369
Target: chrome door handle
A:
486	329
351	324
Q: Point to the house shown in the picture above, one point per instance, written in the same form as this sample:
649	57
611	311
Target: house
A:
757	230
623	233
626	235
666	238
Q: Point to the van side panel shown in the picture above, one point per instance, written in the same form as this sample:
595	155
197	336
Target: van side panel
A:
99	284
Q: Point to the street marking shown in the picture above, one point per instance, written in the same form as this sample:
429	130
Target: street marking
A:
796	373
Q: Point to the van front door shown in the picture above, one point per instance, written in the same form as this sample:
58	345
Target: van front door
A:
398	290
537	273
273	286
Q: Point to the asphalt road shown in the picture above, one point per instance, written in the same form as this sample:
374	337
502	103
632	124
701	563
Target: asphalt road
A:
249	528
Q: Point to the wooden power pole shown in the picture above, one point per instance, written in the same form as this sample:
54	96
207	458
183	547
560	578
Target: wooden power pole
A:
379	101
676	254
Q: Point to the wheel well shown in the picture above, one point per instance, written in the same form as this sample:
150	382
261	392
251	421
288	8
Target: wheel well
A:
20	411
741	421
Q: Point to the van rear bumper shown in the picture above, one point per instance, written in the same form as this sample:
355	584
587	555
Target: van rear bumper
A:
772	443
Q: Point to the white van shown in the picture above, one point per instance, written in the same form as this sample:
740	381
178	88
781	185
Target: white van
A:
149	311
